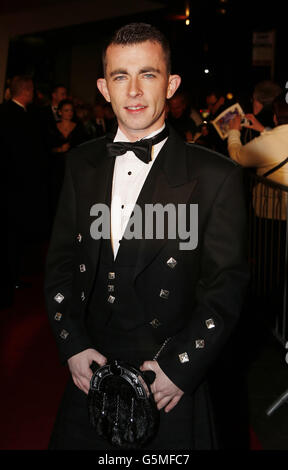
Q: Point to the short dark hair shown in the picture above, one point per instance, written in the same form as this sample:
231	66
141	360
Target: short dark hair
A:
280	108
217	92
56	86
19	83
64	102
136	33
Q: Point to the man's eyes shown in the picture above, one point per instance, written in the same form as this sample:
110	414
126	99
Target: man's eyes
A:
119	78
149	75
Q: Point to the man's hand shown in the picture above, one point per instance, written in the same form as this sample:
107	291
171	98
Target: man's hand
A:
165	392
79	366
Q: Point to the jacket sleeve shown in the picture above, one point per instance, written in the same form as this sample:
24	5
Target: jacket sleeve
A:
67	322
221	289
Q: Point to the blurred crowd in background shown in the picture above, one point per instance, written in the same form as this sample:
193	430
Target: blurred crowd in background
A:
37	131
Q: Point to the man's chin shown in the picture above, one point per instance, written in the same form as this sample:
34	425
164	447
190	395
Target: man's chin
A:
137	126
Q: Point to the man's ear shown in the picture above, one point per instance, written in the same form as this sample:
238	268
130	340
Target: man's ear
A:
173	85
102	87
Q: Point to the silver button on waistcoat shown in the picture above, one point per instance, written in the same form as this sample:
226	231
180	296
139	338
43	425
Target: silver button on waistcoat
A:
183	357
59	298
171	263
210	323
155	323
164	294
64	334
199	343
111	299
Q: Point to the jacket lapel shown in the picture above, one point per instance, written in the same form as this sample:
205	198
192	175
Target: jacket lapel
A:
167	182
97	185
98	179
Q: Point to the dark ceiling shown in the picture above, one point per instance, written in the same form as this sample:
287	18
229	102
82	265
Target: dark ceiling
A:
220	41
14	6
256	12
8	6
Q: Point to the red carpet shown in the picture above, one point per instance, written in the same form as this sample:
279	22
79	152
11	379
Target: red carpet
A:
32	379
255	444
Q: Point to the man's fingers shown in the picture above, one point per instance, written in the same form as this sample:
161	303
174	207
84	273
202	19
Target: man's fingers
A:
158	396
163	402
153	388
148	365
168	402
82	383
98	358
172	403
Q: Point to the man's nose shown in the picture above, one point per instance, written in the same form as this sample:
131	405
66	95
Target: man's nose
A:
134	88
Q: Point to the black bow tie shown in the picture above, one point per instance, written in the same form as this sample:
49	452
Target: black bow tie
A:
141	148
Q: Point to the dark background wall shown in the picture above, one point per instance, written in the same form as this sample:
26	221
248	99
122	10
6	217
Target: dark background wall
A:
221	42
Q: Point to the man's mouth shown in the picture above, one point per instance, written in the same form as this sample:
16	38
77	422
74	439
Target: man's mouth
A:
135	108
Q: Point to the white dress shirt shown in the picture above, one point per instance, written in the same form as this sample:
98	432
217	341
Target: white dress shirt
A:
129	176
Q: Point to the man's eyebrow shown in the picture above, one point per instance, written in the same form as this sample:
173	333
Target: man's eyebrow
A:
142	70
149	69
118	72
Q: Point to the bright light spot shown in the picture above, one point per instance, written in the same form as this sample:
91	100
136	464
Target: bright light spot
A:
205	113
187	22
206	70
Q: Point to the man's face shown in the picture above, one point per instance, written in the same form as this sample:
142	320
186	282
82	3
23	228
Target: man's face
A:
137	84
211	102
257	106
59	95
29	93
214	103
177	106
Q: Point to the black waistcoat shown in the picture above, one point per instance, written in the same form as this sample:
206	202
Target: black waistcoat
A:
116	319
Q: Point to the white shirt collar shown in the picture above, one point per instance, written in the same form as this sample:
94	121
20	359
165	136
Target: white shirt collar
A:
19	104
121	137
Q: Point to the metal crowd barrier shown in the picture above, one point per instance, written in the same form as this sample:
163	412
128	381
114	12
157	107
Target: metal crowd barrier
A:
268	257
268	249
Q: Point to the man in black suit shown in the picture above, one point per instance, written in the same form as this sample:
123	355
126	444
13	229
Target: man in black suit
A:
22	170
179	117
49	114
112	295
